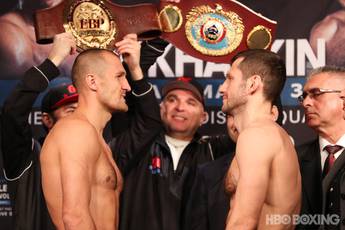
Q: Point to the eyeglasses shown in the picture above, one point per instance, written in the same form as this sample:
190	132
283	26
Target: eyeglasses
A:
315	92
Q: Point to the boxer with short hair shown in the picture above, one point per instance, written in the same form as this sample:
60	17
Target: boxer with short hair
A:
80	178
260	181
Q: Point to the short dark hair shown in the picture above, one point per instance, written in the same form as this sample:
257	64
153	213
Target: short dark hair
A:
270	66
86	60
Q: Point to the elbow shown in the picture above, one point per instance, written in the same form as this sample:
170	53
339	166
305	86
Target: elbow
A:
71	220
244	224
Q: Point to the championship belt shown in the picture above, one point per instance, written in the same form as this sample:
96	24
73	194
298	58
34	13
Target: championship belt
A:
96	23
215	30
210	31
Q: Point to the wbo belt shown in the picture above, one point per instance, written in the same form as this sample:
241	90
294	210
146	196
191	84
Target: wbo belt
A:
216	30
210	31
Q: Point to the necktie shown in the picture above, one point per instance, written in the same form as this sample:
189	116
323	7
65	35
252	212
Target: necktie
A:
331	150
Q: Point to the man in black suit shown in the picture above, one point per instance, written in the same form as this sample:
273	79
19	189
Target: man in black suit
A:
322	166
309	159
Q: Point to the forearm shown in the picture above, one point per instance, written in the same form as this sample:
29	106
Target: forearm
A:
16	131
36	79
146	114
136	73
240	219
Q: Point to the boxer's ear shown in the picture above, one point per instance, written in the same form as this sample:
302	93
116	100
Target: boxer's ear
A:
91	82
254	83
47	120
342	96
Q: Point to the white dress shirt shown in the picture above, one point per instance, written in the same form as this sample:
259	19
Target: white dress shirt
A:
324	154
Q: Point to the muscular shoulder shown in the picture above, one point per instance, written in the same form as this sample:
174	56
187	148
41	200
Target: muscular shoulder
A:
74	140
261	132
338	17
11	25
259	140
74	131
13	18
15	45
328	26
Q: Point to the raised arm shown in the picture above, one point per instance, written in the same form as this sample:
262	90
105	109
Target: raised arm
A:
150	50
253	157
144	117
17	142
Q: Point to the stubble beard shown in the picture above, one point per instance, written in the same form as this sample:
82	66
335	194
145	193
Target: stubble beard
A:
122	108
233	105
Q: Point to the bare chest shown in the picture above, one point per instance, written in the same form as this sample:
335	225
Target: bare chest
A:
232	177
107	174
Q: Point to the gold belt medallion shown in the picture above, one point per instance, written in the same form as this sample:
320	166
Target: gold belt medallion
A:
91	24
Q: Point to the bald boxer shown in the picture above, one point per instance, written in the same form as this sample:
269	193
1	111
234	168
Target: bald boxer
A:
81	181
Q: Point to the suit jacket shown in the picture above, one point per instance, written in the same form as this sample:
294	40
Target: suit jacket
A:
310	167
337	171
208	204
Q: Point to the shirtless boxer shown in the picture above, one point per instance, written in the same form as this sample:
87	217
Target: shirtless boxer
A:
81	181
264	177
332	30
18	48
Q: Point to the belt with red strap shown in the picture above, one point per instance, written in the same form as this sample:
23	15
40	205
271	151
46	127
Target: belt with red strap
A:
209	31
